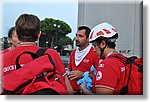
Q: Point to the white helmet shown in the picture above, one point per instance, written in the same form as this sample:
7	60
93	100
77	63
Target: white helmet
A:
102	30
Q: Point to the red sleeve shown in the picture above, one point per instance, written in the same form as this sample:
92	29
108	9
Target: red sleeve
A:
96	60
106	76
69	64
57	60
70	60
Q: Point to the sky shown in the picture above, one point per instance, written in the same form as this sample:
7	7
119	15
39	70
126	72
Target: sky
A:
65	10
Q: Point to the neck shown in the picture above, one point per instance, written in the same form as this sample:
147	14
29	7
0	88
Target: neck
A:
12	47
109	52
27	43
83	47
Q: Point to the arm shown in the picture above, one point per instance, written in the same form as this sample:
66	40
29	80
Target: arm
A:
68	86
104	91
85	90
99	91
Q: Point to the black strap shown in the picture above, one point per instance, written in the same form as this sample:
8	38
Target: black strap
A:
41	51
33	55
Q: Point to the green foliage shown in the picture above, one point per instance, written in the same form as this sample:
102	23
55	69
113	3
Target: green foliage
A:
65	41
4	43
50	26
53	30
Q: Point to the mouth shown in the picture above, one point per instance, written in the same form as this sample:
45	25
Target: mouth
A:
77	42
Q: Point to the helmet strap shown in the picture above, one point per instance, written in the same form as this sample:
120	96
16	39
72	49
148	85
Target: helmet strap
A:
102	51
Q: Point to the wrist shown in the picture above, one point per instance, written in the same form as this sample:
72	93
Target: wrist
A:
82	87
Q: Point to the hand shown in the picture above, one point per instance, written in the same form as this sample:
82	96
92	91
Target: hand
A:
84	90
83	85
75	74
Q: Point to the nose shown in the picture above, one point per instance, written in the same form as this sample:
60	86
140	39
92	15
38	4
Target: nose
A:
76	37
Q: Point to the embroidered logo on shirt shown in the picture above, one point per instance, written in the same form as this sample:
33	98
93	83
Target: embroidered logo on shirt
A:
100	61
98	75
100	65
122	69
86	60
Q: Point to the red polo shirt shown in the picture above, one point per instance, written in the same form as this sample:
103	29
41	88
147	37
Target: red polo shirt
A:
110	74
90	59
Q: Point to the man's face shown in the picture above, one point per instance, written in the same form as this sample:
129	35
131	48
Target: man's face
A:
96	49
81	39
14	39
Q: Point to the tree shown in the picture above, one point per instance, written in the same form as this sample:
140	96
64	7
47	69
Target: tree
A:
64	41
4	43
53	30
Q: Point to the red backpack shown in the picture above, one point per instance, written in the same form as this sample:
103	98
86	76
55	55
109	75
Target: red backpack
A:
38	77
133	80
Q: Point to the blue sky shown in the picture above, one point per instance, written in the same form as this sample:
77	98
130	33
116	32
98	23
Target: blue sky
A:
64	10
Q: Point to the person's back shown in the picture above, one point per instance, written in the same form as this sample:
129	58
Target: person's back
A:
28	31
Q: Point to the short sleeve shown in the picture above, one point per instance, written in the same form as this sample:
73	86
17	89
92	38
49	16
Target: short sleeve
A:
106	77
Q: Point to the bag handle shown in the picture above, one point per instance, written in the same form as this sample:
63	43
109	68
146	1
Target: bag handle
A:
39	53
33	55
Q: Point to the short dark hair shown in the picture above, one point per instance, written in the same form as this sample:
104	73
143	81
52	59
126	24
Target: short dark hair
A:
28	27
87	30
108	41
10	32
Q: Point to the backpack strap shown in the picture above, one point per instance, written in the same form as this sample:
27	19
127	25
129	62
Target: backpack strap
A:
41	51
33	55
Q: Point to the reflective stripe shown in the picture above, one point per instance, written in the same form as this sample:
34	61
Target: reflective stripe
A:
102	86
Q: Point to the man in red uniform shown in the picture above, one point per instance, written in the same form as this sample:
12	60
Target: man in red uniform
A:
28	31
82	58
111	71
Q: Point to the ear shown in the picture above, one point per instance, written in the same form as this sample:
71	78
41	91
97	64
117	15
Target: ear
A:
39	35
9	40
102	44
87	39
